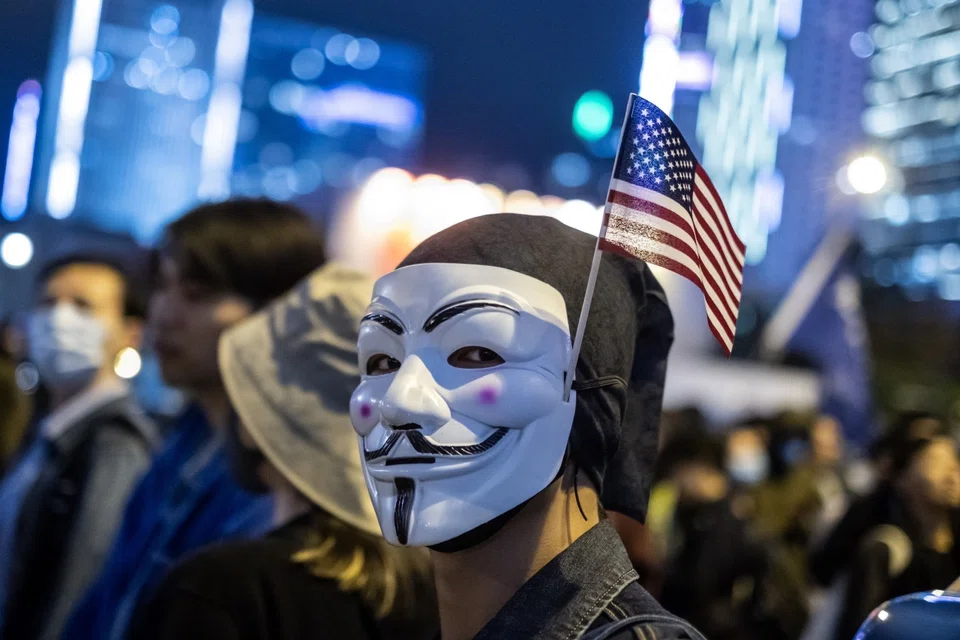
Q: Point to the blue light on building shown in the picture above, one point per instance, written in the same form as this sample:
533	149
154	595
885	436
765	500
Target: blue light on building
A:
155	106
324	108
913	115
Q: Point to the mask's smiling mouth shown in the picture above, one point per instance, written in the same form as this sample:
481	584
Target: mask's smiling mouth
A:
421	445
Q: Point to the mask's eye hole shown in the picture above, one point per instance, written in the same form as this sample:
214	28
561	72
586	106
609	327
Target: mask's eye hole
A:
381	364
474	358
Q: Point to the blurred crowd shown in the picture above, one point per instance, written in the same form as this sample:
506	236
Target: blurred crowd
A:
771	528
774	528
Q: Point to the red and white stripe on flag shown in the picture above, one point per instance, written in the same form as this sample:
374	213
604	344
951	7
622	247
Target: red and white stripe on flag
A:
698	243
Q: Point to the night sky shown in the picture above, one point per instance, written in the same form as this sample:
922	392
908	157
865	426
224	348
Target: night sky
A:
503	80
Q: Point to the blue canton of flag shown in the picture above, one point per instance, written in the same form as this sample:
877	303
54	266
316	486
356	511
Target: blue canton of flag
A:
658	159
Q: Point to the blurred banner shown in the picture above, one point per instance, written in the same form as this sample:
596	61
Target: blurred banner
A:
822	319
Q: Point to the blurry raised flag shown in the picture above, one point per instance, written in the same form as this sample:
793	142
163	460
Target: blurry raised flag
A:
663	209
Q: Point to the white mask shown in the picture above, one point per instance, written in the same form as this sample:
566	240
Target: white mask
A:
446	447
66	345
749	467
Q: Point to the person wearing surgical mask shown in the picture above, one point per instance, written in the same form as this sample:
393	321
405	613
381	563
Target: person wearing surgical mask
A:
472	448
747	458
62	502
213	267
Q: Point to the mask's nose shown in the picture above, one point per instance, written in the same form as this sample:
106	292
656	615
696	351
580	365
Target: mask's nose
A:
413	398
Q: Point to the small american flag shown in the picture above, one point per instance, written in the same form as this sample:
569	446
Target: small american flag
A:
663	209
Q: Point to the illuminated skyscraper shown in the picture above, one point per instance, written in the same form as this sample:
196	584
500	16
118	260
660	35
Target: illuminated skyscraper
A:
912	231
150	107
323	107
774	93
123	89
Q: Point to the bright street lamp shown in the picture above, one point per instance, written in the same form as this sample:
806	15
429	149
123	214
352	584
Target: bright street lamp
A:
867	174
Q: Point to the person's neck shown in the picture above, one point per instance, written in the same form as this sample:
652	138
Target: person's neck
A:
215	404
488	575
60	397
288	504
935	527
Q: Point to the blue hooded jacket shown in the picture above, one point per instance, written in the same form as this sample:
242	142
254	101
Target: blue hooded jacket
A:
185	501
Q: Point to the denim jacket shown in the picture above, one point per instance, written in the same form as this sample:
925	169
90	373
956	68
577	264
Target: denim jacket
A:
588	587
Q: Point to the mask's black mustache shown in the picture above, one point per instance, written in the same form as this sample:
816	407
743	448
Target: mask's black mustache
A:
421	445
392	440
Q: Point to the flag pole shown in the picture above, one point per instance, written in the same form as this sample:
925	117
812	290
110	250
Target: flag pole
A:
594	270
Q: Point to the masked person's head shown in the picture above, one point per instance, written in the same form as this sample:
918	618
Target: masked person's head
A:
464	351
747	453
289	371
215	266
87	309
927	472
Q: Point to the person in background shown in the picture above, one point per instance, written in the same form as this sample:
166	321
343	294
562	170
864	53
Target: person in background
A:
721	577
16	408
827	459
831	555
838	479
648	543
324	571
61	504
747	456
778	492
908	426
917	550
214	267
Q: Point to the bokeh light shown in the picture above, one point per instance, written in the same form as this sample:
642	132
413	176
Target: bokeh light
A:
593	115
128	363
570	170
308	64
867	174
862	45
165	20
16	250
336	48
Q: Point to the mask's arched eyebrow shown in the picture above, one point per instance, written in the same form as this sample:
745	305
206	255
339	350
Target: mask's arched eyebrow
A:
445	313
385	321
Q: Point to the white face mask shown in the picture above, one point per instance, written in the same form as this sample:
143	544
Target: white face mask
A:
460	408
66	345
749	468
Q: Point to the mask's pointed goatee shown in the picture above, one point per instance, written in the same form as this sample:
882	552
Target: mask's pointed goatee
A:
401	513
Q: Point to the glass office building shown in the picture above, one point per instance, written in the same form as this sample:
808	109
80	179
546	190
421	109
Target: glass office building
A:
912	232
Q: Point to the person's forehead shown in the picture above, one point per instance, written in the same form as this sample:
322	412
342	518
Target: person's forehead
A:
417	291
941	449
82	277
745	437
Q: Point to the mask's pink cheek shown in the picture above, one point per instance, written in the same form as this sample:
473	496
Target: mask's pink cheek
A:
488	396
363	410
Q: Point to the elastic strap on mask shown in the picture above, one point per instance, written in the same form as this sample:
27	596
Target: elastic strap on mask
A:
597	383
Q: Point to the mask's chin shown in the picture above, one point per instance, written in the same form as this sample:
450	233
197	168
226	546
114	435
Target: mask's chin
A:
451	513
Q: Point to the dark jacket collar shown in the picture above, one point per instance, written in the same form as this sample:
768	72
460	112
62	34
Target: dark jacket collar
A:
566	596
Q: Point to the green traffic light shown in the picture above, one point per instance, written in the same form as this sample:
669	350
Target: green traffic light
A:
593	115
